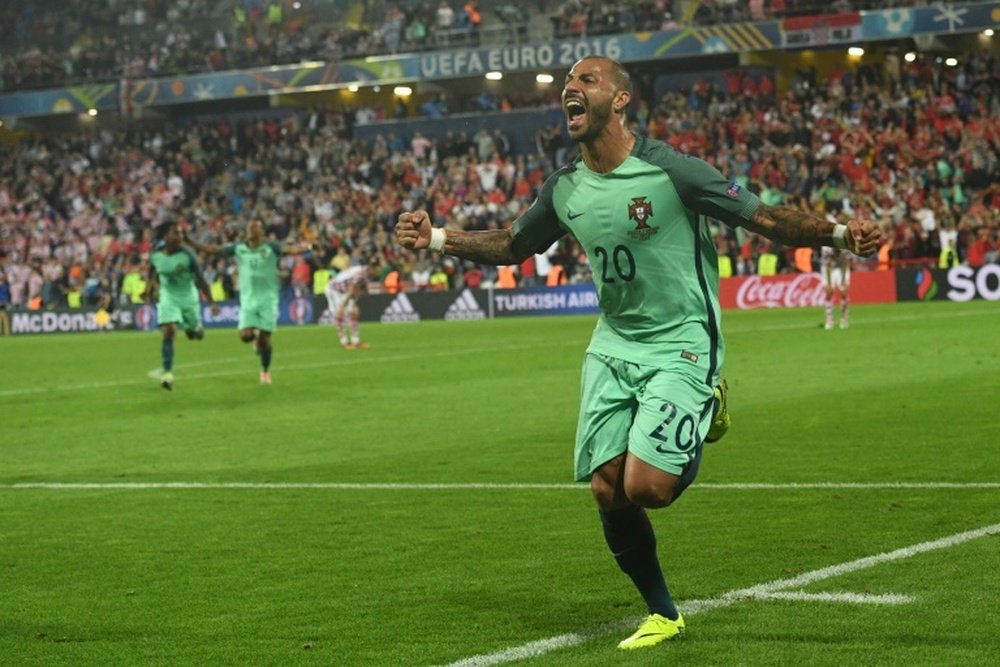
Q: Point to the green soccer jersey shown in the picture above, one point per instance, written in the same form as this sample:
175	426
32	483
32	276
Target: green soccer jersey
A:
258	269
177	273
651	253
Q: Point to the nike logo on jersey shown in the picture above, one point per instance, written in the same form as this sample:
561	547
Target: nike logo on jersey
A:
573	216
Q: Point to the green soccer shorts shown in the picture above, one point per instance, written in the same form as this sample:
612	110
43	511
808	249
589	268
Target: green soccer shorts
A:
259	314
658	415
185	315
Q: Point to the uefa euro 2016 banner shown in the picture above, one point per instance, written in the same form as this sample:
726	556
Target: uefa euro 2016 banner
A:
793	33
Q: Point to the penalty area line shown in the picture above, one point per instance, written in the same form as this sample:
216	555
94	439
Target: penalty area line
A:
765	591
852	598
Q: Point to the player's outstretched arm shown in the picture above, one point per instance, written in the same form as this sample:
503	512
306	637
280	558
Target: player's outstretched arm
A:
207	248
203	286
152	285
299	248
797	228
496	247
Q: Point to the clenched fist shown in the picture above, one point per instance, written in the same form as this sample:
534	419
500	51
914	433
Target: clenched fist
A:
413	230
862	237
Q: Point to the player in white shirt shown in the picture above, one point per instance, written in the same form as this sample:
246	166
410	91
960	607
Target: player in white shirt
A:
835	266
343	292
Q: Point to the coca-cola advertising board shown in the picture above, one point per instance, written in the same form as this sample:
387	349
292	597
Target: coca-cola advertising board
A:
795	290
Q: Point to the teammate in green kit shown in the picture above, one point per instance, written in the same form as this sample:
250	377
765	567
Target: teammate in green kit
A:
652	392
174	281
257	263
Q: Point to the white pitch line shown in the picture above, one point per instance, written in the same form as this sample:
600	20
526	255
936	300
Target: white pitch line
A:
407	486
736	329
852	598
755	486
360	358
542	646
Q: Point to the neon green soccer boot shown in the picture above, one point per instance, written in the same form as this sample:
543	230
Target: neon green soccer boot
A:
653	630
721	421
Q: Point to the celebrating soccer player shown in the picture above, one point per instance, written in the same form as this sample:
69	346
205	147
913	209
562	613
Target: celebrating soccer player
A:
257	263
652	390
175	279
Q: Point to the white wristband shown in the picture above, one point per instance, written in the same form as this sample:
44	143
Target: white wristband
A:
438	237
839	234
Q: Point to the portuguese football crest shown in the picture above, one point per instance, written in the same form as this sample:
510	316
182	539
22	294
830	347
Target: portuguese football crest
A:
641	211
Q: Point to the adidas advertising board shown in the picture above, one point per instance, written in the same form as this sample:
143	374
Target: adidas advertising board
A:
399	310
465	307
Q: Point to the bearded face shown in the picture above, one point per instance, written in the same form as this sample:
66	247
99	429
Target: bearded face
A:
587	118
255	232
588	99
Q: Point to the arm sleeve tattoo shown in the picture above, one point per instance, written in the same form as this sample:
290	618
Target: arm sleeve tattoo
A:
495	247
791	226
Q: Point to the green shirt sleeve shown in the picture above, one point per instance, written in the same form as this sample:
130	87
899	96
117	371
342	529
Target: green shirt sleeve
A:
703	189
278	248
195	265
228	250
538	228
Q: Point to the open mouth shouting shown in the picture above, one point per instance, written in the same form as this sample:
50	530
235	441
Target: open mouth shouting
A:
576	113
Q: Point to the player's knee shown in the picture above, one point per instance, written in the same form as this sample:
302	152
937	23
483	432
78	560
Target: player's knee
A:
606	485
246	336
651	494
168	332
603	492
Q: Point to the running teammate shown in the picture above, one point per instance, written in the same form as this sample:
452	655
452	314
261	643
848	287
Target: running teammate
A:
257	263
174	281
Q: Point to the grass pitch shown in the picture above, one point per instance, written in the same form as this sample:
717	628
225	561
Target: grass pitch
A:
411	504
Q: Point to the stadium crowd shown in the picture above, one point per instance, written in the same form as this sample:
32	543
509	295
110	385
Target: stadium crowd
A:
920	154
46	43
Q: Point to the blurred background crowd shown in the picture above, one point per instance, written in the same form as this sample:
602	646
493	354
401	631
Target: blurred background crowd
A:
53	42
918	152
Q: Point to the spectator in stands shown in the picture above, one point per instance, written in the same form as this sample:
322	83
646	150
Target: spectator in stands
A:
100	202
445	16
983	249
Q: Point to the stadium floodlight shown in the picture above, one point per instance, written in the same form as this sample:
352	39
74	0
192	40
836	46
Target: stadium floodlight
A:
353	88
988	32
951	62
494	76
403	91
296	5
544	78
910	56
91	112
855	51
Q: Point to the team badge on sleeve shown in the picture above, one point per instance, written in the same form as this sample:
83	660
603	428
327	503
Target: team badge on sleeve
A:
734	189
